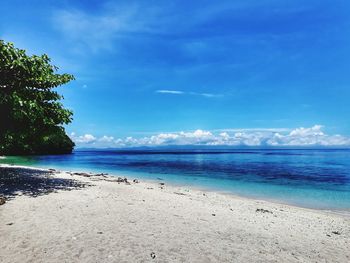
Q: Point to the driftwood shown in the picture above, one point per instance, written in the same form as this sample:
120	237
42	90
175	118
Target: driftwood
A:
2	200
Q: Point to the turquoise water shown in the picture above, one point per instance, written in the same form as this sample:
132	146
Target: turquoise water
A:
309	178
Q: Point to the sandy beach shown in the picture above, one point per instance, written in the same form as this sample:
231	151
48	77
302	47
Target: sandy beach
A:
64	217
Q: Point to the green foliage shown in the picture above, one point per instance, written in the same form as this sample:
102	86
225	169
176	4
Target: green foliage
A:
31	114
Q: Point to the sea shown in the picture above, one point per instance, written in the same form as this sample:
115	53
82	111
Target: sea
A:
311	178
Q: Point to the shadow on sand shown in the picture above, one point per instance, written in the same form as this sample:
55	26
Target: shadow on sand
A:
23	181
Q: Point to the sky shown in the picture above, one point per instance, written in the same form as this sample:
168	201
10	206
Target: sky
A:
252	72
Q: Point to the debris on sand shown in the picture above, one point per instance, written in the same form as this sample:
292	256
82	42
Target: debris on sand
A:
153	255
261	210
89	174
2	200
82	174
179	193
123	180
101	174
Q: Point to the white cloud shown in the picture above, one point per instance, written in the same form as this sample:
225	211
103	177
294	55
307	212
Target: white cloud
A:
308	137
254	130
99	31
165	91
313	131
83	139
313	136
106	139
179	92
209	95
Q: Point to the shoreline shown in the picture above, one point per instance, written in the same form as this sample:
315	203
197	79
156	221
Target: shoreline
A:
101	218
345	213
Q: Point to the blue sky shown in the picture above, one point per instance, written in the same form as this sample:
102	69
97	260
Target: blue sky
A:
154	69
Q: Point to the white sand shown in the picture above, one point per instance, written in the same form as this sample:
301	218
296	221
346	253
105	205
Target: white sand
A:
111	222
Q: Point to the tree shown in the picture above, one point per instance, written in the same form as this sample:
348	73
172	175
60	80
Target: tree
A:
31	114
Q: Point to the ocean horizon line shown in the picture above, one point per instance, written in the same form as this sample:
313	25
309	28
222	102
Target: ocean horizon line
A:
210	147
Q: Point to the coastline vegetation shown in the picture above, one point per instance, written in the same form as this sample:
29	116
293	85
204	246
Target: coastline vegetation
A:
31	113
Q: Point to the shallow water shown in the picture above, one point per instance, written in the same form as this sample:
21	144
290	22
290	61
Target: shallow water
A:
308	178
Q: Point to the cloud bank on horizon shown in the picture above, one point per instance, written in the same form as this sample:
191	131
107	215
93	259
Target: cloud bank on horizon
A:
299	137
